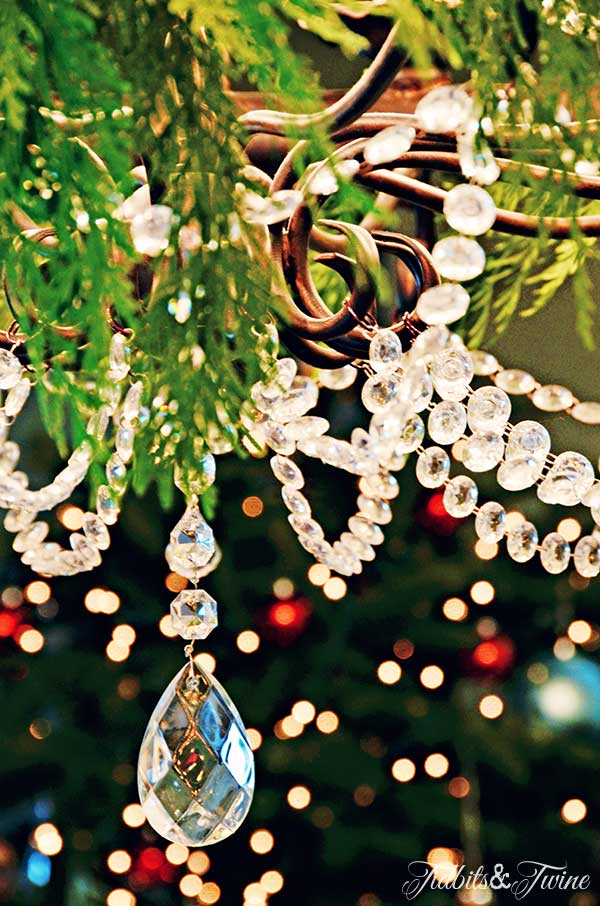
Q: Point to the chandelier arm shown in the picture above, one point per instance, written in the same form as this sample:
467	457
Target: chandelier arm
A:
373	82
419	193
313	354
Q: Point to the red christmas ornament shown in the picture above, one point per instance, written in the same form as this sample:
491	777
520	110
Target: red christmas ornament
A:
435	518
284	620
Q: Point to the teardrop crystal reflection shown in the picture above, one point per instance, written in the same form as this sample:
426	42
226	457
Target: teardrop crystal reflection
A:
196	767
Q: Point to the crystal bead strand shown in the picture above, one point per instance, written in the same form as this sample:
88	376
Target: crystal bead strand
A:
23	504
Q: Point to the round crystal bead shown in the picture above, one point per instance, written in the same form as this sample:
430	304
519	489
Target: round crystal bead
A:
364	529
484	363
412	434
443	304
385	351
444	109
447	422
520	473
568	481
488	409
380	391
452	371
433	467
458	258
416	388
555	553
587	413
521	542
552	398
338	378
379	485
151	228
388	144
10	369
515	381
460	496
490	522
528	439
287	472
587	556
428	343
469	209
482	451
375	508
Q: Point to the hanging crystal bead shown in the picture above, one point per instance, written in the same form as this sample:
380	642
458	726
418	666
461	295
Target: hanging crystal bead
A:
452	372
193	614
10	369
286	471
132	402
388	144
106	505
482	451
518	474
445	109
124	439
460	496
364	529
587	556
295	501
95	531
9	456
416	388
469	209
521	542
490	522
433	467
116	473
443	304
196	767
528	439
385	351
17	397
413	433
375	508
380	484
447	422
380	391
555	553
458	258
192	540
118	359
488	409
357	546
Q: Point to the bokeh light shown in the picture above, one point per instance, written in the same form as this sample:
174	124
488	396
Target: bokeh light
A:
299	797
403	770
573	811
389	672
432	676
491	706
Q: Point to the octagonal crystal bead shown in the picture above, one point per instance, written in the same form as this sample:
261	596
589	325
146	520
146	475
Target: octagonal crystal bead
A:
194	614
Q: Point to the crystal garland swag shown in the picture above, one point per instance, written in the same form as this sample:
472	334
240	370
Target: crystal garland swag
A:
196	768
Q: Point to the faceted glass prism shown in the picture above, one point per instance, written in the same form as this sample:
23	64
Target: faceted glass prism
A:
192	539
196	767
194	614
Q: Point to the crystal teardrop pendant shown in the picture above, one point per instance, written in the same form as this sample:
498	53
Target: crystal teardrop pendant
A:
196	767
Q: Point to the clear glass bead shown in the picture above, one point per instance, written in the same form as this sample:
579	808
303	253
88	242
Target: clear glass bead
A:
388	144
150	230
452	372
469	209
106	505
361	549
478	164
429	343
521	542
445	109
318	547
287	472
9	456
484	363
277	438
382	484
433	467
255	208
528	439
16	519
460	496
95	531
458	258
568	481
306	426
196	767
443	304
124	440
88	552
295	501
194	614
416	388
116	473
385	428
133	401
488	409
447	422
587	556
17	397
192	540
552	398
30	537
490	522
520	473
364	529
482	451
515	381
302	396
375	508
555	553
305	525
322	179
587	413
385	351
118	359
10	369
380	391
337	378
412	434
